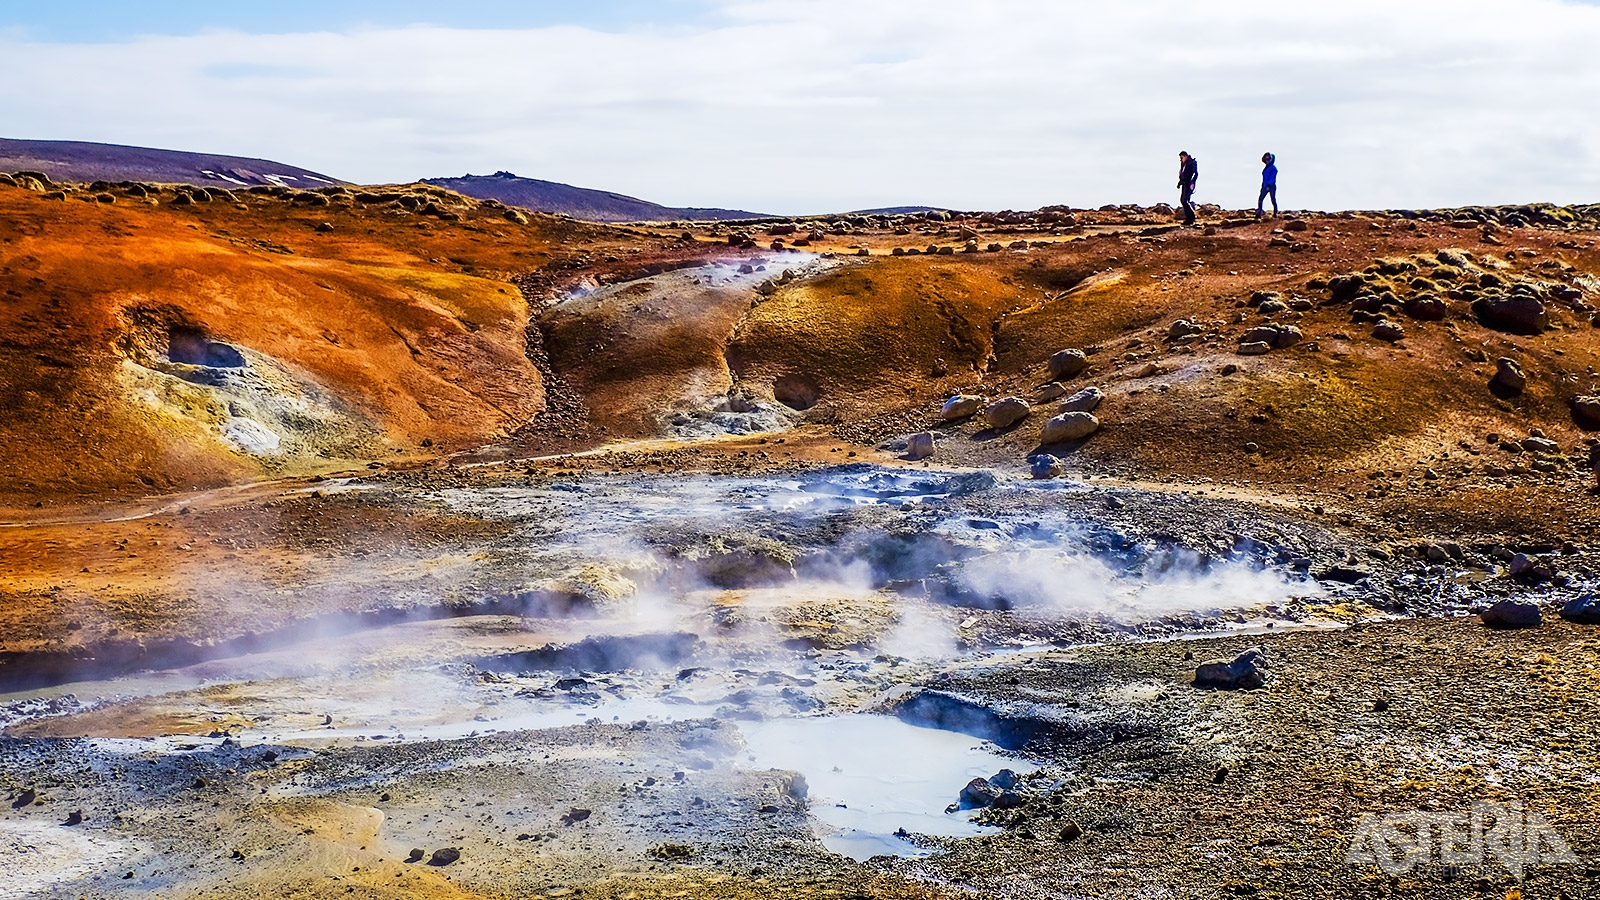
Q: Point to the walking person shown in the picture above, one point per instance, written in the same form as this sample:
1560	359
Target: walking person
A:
1269	184
1188	176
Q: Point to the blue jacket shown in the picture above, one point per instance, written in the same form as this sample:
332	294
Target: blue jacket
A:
1269	175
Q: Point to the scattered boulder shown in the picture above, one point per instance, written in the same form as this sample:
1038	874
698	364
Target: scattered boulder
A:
1046	466
1508	377
1386	330
1006	411
1083	401
1051	391
1517	315
920	446
1583	610
1426	308
1247	671
1540	445
961	406
1071	426
515	216
1067	363
417	853
1587	411
1275	336
978	794
444	856
1184	328
573	816
1255	348
1512	614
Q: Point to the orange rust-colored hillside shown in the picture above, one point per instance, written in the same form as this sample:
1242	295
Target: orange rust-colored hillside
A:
152	340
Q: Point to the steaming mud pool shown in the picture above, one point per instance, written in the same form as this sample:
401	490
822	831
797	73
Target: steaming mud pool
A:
853	675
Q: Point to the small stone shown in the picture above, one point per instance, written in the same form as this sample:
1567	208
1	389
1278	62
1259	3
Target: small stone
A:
1071	832
1070	426
978	793
1386	330
1508	377
920	446
1083	401
575	815
1246	671
444	856
1006	411
417	853
1183	328
1067	363
1255	348
1045	466
961	406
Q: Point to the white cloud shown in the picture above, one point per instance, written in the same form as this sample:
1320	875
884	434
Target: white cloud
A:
806	105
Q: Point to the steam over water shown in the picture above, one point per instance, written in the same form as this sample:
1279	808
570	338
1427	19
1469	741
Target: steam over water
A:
795	609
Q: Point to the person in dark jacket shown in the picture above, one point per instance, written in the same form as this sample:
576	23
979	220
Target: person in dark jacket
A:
1269	184
1188	175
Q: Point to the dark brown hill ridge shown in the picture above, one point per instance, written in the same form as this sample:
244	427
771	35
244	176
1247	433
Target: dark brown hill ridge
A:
82	161
581	203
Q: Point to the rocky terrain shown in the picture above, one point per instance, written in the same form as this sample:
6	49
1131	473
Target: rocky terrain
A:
384	541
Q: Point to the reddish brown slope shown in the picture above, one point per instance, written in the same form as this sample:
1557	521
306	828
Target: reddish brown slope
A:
384	330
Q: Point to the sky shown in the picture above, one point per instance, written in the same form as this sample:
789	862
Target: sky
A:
804	106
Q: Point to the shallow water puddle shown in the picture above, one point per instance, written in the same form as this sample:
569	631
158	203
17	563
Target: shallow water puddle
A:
872	776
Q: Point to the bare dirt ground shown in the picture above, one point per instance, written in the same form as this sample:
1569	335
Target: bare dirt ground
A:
348	523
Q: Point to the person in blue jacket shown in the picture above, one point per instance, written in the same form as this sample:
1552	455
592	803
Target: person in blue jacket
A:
1269	184
1188	176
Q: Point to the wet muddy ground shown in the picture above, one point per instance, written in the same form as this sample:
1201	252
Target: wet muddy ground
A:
545	682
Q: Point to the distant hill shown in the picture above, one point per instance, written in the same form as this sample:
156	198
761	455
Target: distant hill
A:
896	210
580	203
88	162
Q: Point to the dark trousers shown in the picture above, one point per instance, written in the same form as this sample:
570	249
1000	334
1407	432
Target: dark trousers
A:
1187	199
1268	190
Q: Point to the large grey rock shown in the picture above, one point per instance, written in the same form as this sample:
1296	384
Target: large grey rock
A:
920	446
1246	671
1006	411
1512	614
961	406
1508	376
1083	401
1067	363
1072	426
